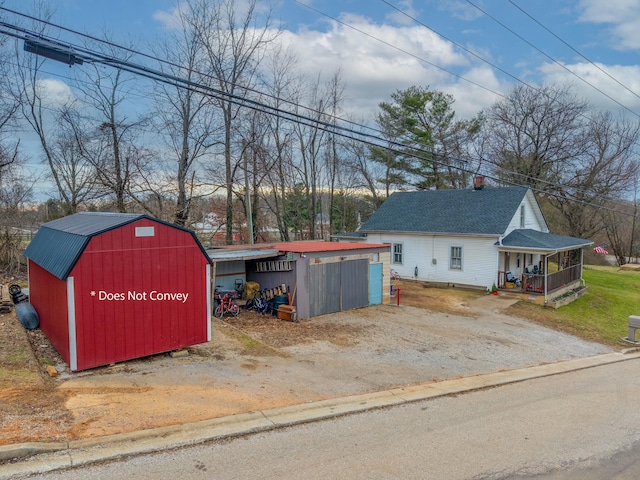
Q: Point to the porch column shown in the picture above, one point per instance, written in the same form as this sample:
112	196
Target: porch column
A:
546	274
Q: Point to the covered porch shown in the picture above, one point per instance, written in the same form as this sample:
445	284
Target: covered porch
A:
540	266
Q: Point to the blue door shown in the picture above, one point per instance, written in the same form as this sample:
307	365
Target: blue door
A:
375	284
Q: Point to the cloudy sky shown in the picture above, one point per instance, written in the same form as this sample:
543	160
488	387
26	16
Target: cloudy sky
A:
476	50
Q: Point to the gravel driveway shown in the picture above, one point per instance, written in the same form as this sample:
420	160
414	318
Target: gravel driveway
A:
269	363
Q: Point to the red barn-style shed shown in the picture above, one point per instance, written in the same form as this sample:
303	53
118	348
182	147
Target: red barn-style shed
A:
110	287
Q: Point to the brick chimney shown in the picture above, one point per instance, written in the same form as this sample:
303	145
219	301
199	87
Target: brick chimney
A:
478	182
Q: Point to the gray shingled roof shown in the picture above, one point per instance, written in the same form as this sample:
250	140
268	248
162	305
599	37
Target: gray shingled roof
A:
58	244
526	238
480	212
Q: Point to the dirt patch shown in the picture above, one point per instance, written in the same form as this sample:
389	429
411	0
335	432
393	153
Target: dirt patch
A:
257	362
455	301
31	408
278	333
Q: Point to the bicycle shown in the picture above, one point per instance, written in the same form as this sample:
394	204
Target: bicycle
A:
226	304
258	303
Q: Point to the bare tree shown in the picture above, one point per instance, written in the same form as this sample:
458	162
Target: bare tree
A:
235	43
532	133
578	160
366	174
320	153
311	143
8	109
15	186
109	139
9	104
185	117
334	155
279	172
75	175
606	170
27	90
619	227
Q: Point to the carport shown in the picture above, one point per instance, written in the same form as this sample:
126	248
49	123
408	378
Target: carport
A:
230	264
325	277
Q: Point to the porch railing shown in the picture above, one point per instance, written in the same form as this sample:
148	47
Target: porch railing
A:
535	282
563	277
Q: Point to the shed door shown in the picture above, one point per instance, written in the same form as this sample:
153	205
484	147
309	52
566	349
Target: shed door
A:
324	282
354	282
338	286
375	284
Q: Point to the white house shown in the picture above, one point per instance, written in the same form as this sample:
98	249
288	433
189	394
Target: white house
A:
477	237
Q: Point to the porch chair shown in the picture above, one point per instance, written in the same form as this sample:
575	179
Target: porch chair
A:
512	279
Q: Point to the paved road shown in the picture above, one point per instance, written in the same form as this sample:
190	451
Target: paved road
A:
571	425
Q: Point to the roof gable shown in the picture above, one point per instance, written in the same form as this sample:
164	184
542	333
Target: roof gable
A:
58	245
480	212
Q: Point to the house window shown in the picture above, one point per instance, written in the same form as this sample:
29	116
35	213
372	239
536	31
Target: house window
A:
397	253
455	262
521	216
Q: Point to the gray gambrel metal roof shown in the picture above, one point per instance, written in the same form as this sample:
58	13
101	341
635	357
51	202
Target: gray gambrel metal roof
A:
477	212
532	239
58	244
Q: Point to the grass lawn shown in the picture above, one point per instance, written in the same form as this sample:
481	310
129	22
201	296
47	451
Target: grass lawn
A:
600	315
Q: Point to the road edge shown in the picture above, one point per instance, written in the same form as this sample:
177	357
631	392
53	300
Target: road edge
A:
46	457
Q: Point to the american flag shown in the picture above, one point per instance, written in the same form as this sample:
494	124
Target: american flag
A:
601	249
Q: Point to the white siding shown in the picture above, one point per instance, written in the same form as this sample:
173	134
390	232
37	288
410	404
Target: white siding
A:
430	254
531	220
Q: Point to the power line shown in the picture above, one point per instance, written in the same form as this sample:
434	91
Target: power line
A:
539	90
333	128
564	67
178	66
576	51
519	80
373	37
470	52
430	63
371	140
496	67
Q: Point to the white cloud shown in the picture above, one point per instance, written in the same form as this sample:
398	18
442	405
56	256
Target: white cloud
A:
404	15
471	98
373	69
169	19
629	76
623	16
459	9
54	92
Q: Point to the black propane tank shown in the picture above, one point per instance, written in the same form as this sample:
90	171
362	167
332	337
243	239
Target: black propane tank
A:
25	312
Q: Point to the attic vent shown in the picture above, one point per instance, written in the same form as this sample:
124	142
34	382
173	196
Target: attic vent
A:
478	182
144	232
